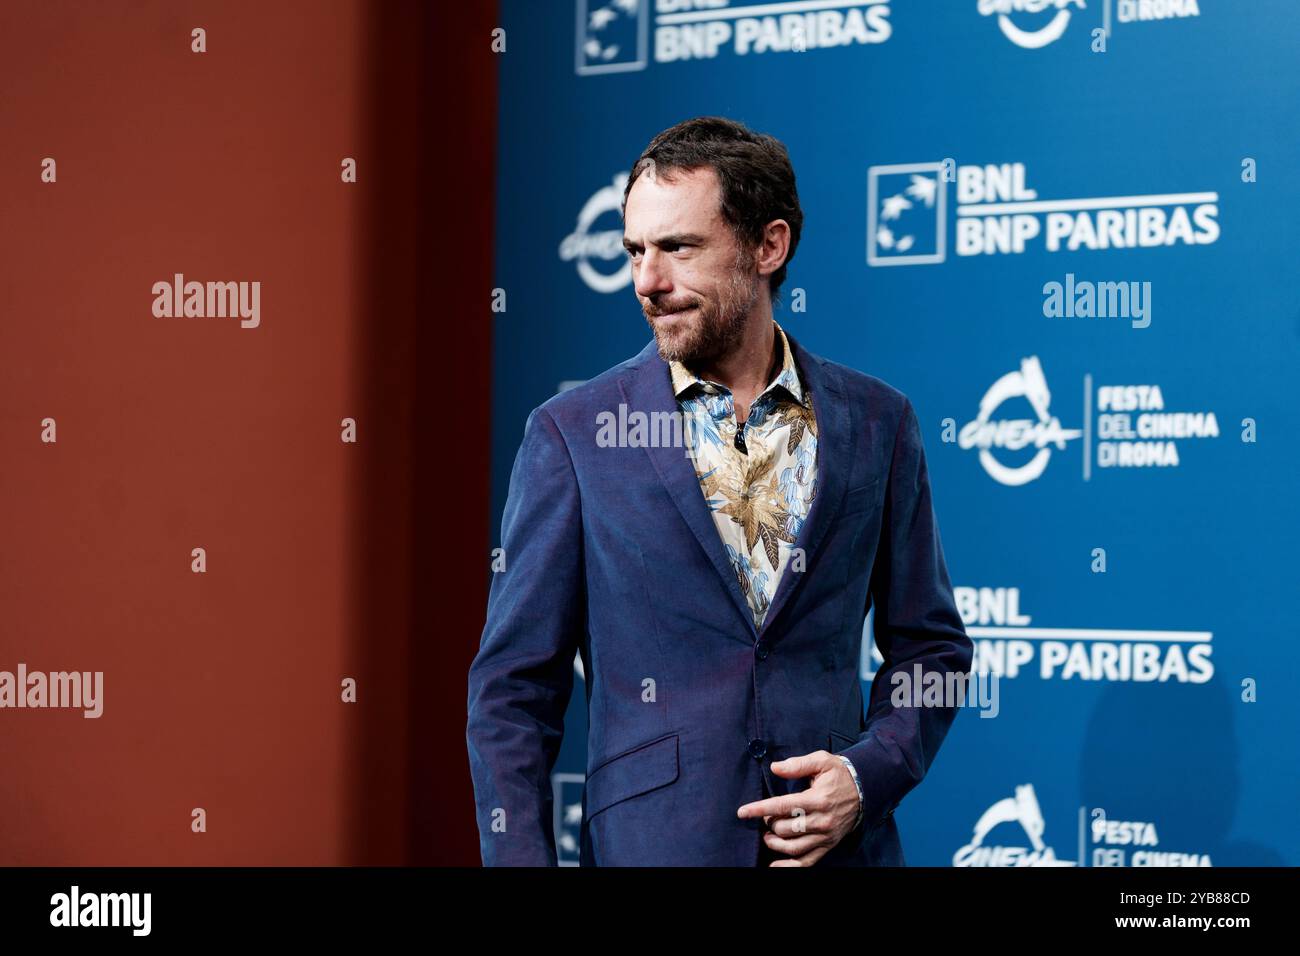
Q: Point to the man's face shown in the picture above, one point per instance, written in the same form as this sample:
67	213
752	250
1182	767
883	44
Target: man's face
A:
696	285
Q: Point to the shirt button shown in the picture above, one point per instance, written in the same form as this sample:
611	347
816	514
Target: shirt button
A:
757	748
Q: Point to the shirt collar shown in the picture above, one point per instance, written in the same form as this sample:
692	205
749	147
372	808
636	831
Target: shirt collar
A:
788	377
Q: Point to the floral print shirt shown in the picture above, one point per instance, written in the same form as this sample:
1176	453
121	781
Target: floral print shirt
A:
758	478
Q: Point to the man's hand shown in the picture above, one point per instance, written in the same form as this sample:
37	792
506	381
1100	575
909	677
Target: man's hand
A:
807	825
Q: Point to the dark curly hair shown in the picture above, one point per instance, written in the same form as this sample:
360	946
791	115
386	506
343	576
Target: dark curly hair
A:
753	169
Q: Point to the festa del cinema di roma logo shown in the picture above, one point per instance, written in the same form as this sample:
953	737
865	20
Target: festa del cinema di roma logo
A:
1031	39
1033	24
1132	425
1113	842
1021	809
595	246
1042	433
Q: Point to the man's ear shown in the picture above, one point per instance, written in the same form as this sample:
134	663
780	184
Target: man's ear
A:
775	247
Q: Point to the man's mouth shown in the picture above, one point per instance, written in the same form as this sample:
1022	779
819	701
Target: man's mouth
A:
672	315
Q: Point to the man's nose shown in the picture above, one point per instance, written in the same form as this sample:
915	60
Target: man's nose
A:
650	276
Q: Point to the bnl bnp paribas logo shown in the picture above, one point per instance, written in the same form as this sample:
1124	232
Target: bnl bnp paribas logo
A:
614	36
1033	24
1016	434
997	212
1010	644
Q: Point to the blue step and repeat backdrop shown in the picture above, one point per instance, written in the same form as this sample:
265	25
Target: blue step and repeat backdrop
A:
1067	231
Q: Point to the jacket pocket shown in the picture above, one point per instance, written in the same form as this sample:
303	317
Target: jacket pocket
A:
632	773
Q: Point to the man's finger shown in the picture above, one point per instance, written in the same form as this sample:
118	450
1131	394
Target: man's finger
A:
775	806
797	825
812	856
804	765
808	859
796	846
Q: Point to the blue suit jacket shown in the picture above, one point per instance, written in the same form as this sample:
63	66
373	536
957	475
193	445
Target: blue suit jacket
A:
612	553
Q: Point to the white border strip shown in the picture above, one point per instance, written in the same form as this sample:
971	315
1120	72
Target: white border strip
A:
1090	634
764	9
1069	205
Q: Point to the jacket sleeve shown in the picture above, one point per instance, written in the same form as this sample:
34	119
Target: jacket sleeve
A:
916	623
522	676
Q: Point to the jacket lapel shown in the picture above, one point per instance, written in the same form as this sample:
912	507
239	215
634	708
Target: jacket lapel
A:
649	389
834	427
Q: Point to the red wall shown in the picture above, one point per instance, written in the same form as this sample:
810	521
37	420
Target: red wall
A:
325	560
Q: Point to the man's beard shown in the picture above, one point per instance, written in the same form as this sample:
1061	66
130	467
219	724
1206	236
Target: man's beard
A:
718	324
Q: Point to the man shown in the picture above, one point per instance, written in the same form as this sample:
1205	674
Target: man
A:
714	583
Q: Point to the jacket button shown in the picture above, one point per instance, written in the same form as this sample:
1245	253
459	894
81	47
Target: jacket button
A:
761	650
757	749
